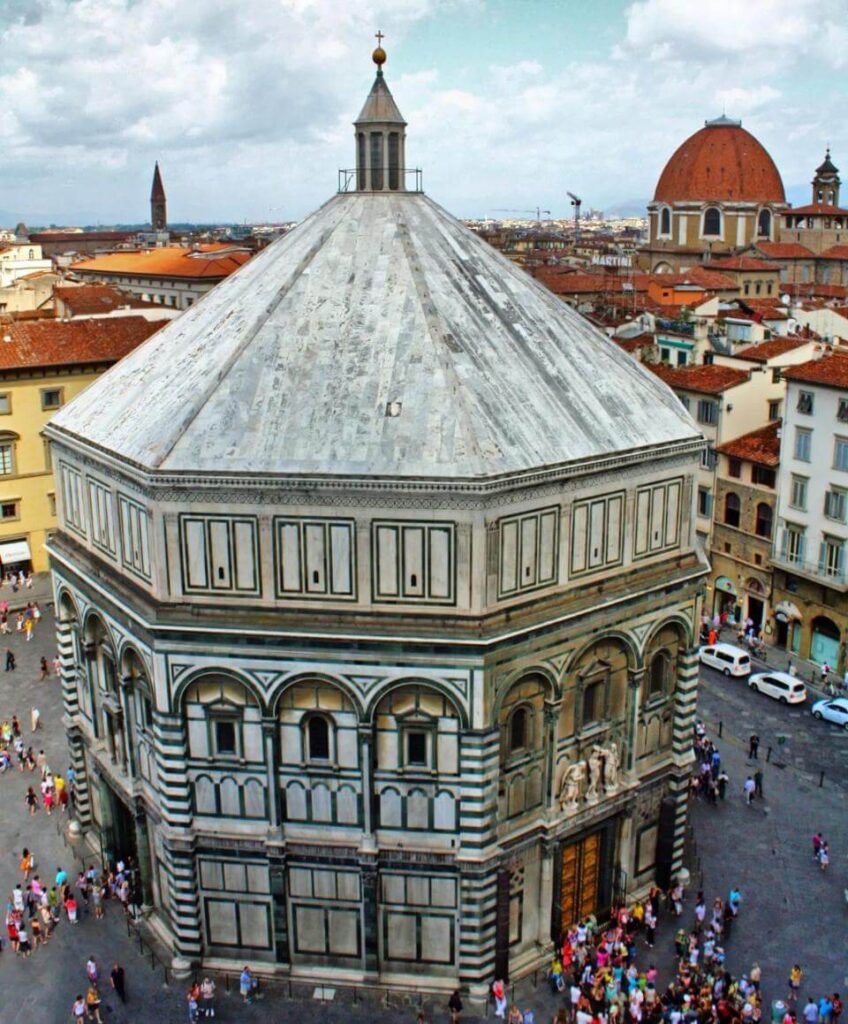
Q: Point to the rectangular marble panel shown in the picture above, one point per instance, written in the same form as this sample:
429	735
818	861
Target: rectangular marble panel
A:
220	554
343	929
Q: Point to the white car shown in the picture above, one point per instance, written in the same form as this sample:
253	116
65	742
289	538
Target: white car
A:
730	660
780	685
835	711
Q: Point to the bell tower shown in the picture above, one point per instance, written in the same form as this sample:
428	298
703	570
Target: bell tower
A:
826	183
158	202
380	136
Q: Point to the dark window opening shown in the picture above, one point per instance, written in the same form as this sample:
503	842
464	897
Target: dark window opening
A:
763	522
416	748
518	730
361	182
377	160
665	222
658	674
394	169
319	739
225	737
712	221
593	694
732	508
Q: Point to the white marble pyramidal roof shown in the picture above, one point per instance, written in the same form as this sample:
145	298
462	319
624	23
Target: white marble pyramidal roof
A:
380	337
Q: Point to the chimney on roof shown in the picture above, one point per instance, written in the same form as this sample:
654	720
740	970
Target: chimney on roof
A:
158	202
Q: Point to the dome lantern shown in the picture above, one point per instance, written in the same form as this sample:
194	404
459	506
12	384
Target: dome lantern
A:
380	136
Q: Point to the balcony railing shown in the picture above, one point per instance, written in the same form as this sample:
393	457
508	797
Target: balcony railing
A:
835	577
396	179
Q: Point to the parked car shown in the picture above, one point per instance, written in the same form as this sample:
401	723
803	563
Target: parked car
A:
730	660
779	685
835	711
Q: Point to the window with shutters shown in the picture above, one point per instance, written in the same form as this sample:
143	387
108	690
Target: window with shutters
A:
315	558
832	557
220	554
805	403
73	507
734	468
834	505
707	411
732	507
528	547
763	476
597	533
798	492
413	561
135	541
763	520
842	410
840	454
102	512
803	444
657	519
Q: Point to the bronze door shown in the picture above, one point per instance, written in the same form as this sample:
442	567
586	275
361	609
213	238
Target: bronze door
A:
579	880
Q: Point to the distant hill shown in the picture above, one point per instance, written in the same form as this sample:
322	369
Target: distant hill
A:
627	208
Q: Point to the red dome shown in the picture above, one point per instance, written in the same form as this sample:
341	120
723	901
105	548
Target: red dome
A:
722	162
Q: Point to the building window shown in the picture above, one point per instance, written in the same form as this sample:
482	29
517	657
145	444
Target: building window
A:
728	548
840	454
665	221
842	411
51	503
9	510
707	411
7	461
831	556
805	402
712	222
518	730
775	375
417	748
763	520
684	401
708	458
764	224
774	409
658	674
51	398
798	493
593	700
318	738
225	737
734	468
793	544
705	502
803	444
5	403
48	456
732	507
763	476
834	505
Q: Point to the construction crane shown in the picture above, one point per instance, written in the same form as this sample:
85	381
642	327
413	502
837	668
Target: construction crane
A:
576	202
538	211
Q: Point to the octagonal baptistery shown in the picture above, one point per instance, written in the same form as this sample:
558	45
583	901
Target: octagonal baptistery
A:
719	193
378	589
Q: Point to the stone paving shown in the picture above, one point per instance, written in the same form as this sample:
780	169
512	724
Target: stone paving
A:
791	909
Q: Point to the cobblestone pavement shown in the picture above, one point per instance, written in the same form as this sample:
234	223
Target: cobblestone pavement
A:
791	910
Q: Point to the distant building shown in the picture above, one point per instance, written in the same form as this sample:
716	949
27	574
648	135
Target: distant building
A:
809	555
171	275
58	243
20	259
158	202
84	301
720	192
42	366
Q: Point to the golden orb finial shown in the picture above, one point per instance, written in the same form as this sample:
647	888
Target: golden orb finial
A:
379	54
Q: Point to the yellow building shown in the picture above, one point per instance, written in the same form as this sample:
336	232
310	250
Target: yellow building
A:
43	364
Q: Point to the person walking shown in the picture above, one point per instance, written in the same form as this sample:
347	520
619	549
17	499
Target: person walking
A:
748	789
455	1006
117	980
92	1004
78	1009
247	983
34	718
795	976
758	783
44	670
207	998
811	1012
10	660
722	782
824	856
753	747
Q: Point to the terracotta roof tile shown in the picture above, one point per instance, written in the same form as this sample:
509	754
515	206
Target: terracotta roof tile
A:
835	252
73	342
765	350
815	290
575	284
88	299
785	250
742	263
817	208
831	370
720	162
709	379
167	262
761	446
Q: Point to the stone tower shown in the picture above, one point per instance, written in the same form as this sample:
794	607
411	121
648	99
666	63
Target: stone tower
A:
826	183
158	202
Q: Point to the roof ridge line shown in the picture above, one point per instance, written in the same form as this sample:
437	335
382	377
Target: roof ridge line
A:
432	318
238	352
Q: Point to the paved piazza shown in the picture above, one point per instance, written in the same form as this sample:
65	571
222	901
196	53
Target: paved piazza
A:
791	909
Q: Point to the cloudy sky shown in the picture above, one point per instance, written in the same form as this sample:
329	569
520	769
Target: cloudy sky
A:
248	106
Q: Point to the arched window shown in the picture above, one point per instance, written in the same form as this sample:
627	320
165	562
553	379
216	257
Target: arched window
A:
658	673
732	507
318	738
518	730
764	223
665	221
712	221
763	521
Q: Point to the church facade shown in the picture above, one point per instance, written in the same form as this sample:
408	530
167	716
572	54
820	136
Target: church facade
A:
378	594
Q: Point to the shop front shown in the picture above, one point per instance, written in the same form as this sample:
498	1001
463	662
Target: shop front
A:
15	556
787	620
726	598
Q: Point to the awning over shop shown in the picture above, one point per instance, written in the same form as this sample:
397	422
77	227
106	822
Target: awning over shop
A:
725	584
786	611
13	552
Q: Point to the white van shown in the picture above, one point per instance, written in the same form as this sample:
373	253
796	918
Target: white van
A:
730	660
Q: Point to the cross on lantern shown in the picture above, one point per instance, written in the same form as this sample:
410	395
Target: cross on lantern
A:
379	37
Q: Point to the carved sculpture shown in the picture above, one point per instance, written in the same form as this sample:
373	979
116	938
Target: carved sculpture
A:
569	790
611	766
596	764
